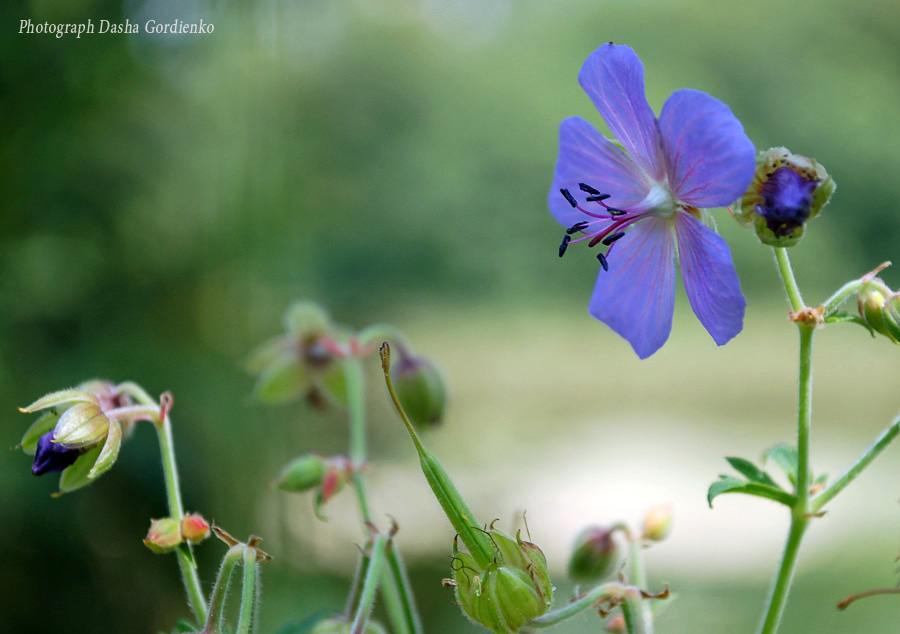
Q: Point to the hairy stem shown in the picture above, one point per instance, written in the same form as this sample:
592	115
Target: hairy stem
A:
176	511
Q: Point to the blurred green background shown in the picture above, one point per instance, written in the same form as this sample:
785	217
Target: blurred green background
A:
164	199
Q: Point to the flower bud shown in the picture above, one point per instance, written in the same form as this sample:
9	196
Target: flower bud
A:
421	391
301	474
164	535
79	433
891	315
616	624
194	528
507	593
595	555
658	523
787	190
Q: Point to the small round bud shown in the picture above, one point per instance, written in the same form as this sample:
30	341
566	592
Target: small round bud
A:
164	535
302	474
787	191
194	528
878	312
595	555
616	624
420	388
658	523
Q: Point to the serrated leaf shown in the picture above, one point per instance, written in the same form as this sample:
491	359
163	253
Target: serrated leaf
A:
729	484
785	457
751	471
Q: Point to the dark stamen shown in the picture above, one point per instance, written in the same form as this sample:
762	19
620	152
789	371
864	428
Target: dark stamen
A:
587	189
603	261
569	197
616	212
597	198
610	239
564	245
578	226
595	240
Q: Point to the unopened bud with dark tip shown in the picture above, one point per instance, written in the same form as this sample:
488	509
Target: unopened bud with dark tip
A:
658	523
420	388
164	535
787	191
52	456
595	555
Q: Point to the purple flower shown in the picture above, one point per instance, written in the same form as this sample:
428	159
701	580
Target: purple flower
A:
647	202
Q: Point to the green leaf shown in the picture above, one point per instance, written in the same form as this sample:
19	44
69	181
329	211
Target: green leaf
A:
751	471
729	484
839	318
785	457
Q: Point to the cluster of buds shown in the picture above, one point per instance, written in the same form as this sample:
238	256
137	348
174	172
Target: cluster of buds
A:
786	192
302	363
80	431
879	306
326	476
506	592
167	534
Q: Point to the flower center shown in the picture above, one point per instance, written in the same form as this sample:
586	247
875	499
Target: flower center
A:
604	224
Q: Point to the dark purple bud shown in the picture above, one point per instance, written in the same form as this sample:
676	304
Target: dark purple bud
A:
787	201
51	456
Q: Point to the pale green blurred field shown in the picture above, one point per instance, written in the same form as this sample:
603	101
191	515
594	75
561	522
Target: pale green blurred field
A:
164	201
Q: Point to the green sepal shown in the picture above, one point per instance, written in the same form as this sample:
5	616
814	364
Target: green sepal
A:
841	318
333	385
109	452
184	627
60	397
303	318
76	476
41	426
785	457
282	383
188	553
751	471
730	484
82	425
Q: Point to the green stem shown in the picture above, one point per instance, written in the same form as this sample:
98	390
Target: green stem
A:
215	620
642	612
356	403
886	437
633	609
176	511
413	623
782	584
370	585
247	615
842	294
787	275
455	508
800	513
588	600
